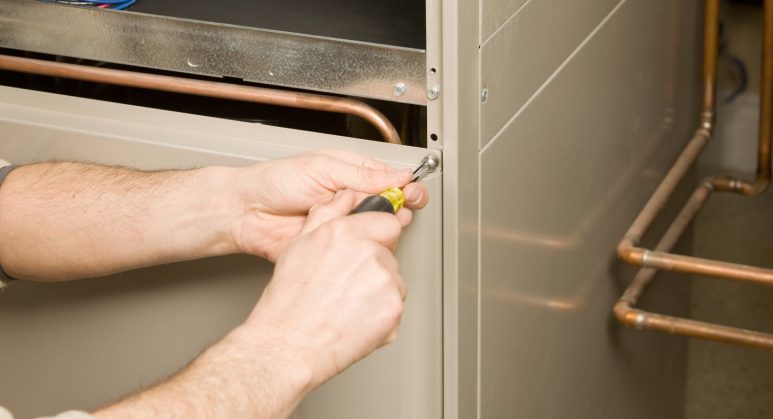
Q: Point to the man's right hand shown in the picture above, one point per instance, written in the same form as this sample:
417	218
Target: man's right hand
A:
336	295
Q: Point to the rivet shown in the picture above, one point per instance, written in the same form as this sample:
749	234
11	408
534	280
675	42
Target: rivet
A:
399	89
433	92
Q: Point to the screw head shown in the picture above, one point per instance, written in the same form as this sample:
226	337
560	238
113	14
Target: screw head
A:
399	89
484	95
433	92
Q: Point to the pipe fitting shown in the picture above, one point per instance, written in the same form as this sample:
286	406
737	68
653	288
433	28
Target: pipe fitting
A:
631	255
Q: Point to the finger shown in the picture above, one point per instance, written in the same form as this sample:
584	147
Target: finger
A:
398	282
380	227
416	195
401	286
342	204
355	159
342	175
404	216
390	262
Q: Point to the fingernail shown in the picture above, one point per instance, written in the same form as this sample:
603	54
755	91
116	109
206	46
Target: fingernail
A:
413	195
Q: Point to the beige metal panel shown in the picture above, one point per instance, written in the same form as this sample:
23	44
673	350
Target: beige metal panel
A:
527	51
460	24
496	13
81	344
559	186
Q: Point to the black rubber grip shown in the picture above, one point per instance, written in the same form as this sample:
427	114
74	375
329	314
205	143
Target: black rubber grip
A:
374	203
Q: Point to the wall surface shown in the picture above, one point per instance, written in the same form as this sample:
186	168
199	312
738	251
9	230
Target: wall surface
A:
582	106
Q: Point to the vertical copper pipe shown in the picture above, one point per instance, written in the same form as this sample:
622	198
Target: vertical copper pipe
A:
625	249
710	53
669	240
765	133
766	100
205	88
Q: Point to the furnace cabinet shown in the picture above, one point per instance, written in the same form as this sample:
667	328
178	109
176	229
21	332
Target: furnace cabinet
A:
555	120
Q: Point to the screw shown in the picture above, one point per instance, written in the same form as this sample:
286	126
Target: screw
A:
399	89
433	92
484	95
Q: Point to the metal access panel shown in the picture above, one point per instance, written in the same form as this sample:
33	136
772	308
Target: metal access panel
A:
86	343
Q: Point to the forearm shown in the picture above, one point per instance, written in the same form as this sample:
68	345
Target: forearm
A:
72	220
243	376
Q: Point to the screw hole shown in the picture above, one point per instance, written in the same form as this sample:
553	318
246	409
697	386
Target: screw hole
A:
432	70
433	137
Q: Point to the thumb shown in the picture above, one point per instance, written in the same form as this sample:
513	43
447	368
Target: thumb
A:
341	205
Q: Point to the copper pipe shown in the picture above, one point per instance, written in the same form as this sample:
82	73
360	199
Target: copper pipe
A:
626	250
762	180
766	97
205	88
659	258
675	325
630	316
669	239
766	109
710	53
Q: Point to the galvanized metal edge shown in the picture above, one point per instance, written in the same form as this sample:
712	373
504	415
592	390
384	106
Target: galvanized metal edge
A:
256	55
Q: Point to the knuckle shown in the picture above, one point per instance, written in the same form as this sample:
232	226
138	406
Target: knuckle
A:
340	228
391	337
395	308
394	319
366	174
324	162
371	250
381	280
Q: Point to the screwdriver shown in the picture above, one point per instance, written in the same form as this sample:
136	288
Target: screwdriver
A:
392	199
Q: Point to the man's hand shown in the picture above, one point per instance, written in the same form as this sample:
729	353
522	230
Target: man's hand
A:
336	294
276	195
73	220
335	297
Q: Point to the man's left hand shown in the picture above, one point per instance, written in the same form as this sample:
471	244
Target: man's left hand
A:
274	197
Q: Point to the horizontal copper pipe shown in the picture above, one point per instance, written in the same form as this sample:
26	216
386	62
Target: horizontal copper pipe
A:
708	267
640	319
205	88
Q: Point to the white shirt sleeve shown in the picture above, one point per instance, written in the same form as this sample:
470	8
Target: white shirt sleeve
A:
71	414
